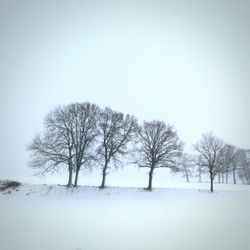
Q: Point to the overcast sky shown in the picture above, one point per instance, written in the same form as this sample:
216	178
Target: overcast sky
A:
184	62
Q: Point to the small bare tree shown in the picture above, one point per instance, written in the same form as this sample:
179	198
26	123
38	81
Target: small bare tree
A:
243	160
200	168
158	147
214	155
186	165
231	154
116	132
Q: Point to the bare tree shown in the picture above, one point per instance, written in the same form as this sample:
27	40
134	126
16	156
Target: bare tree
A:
214	155
200	168
243	160
70	133
238	156
84	131
230	161
158	147
186	165
231	164
116	132
55	148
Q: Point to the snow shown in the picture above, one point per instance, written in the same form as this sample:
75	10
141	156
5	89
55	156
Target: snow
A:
184	216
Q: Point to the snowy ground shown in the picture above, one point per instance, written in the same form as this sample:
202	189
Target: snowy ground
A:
41	217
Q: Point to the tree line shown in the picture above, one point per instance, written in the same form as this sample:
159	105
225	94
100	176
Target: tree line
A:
82	135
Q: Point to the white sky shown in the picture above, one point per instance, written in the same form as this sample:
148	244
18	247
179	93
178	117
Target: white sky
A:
184	62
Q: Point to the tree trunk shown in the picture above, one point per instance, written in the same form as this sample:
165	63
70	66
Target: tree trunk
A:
186	173
248	175
234	175
222	177
234	171
212	185
199	176
211	182
227	176
70	178
218	178
76	177
149	188
104	175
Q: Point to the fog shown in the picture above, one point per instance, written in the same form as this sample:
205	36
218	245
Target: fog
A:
184	62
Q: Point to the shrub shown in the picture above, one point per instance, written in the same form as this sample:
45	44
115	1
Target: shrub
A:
8	184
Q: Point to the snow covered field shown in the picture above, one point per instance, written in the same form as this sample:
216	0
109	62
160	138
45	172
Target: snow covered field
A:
41	217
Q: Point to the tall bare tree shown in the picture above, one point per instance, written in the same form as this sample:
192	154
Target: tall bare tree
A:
70	133
158	147
116	132
84	131
54	148
214	155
